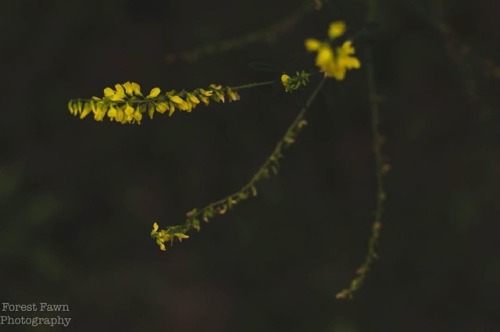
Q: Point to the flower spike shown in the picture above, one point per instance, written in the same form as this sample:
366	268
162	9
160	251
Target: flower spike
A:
126	104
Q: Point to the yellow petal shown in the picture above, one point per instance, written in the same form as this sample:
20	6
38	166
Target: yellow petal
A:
180	103
219	96
120	93
129	110
207	93
176	99
193	98
181	236
312	44
112	112
336	29
349	62
86	111
155	229
154	93
138	116
232	95
100	111
151	110
346	48
71	107
137	89
99	116
324	57
128	88
171	111
108	92
204	99
119	115
161	107
285	78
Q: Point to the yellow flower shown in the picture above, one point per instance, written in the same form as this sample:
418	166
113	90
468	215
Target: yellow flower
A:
334	62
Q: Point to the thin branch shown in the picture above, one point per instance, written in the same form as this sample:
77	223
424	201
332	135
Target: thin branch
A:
381	169
269	167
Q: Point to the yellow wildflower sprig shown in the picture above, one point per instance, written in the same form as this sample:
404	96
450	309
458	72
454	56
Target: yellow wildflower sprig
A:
334	61
269	167
300	79
126	103
380	196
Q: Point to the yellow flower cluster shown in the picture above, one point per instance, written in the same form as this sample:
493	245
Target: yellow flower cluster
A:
126	104
164	236
294	83
334	62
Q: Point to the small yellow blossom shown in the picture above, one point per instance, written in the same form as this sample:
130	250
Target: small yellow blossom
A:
154	93
192	98
119	115
233	95
293	83
120	92
336	29
151	110
285	78
207	93
181	236
155	228
86	111
108	92
128	88
112	113
161	107
137	116
312	44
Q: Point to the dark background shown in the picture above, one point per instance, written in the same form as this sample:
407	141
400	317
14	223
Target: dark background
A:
78	198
